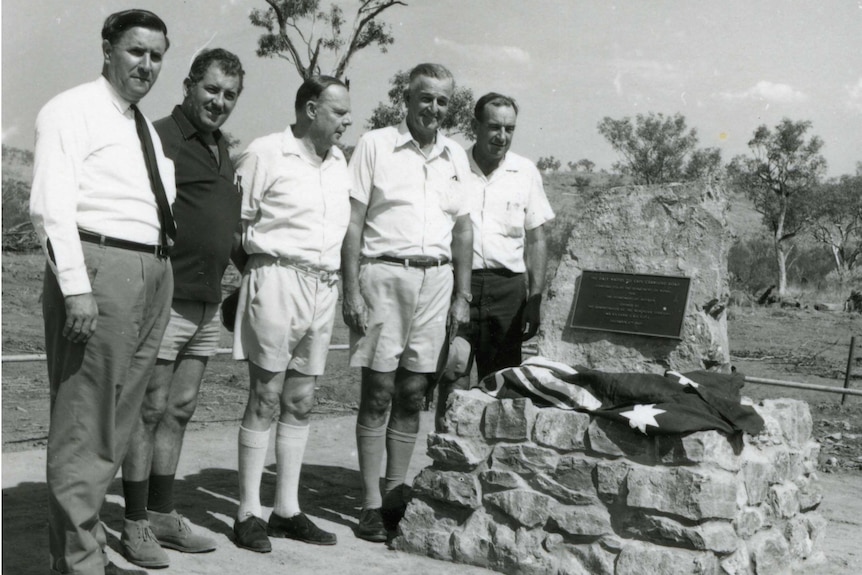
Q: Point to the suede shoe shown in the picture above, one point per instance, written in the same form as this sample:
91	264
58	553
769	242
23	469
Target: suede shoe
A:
140	546
371	526
250	533
174	532
299	527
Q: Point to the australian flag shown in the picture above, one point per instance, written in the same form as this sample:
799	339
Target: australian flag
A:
673	403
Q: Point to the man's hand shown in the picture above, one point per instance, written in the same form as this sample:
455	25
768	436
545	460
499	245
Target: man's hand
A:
355	312
81	315
531	317
459	314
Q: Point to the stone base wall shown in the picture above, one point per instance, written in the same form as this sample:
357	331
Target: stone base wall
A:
527	490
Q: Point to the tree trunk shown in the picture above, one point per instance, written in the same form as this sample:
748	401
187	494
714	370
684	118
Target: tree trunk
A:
781	260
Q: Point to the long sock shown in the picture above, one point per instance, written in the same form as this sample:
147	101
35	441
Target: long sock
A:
252	457
161	495
399	452
135	494
370	445
290	442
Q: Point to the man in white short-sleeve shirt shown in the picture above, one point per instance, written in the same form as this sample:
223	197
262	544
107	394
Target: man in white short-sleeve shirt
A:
508	214
295	211
409	227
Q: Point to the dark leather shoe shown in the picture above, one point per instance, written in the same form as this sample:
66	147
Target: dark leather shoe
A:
299	527
250	533
371	526
392	516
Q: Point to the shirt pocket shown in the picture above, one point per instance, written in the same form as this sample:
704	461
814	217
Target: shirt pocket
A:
513	219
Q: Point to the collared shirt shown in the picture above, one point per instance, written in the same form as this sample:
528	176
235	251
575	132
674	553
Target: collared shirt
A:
89	173
506	203
413	199
293	205
206	210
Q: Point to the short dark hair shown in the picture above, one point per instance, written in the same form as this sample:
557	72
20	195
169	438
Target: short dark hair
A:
228	63
312	88
117	23
493	99
429	70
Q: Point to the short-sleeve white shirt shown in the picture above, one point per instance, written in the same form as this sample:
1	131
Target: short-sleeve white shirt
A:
505	204
413	200
293	205
90	174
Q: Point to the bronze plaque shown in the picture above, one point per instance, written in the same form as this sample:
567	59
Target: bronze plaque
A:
638	304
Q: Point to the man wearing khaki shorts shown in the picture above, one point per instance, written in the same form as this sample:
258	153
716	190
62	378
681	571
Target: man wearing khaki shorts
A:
410	225
295	211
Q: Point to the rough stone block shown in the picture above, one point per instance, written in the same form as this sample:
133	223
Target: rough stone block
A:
798	540
749	521
810	491
457	452
610	475
738	562
705	447
452	487
561	429
816	528
783	499
638	557
509	420
582	520
756	472
716	536
771	433
811	456
524	458
464	411
545	484
473	543
576	473
786	464
500	479
617	440
793	417
527	507
590	559
692	493
425	531
769	553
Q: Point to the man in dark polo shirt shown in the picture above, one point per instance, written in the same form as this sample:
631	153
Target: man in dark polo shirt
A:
207	212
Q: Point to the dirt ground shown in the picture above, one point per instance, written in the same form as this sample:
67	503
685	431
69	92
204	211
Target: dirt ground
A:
797	345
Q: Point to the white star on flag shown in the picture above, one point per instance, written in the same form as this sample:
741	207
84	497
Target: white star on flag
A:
641	416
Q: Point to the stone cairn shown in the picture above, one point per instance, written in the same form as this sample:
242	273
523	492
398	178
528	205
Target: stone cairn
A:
528	490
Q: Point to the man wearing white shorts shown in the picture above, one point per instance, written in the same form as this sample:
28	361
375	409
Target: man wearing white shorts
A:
295	211
410	225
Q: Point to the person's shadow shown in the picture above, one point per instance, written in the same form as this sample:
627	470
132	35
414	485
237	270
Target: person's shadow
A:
208	499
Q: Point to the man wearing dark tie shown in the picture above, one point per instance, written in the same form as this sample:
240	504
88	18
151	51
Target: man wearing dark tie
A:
100	203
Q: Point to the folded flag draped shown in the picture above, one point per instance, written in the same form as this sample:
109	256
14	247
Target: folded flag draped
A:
673	403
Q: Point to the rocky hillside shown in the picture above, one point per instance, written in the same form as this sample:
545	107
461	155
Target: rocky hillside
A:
17	176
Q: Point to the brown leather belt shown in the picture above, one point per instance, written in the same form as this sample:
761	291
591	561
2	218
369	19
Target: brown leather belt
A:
156	250
415	261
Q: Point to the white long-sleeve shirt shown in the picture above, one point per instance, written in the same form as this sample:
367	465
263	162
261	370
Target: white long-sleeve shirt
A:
89	173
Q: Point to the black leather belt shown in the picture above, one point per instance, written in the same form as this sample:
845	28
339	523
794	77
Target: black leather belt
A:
415	261
156	250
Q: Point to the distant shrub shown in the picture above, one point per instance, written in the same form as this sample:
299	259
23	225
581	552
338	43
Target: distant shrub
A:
751	264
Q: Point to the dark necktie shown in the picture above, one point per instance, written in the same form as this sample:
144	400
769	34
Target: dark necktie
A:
169	228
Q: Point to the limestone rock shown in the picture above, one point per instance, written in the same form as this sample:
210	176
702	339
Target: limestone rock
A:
810	491
527	507
561	429
678	230
593	559
756	472
784	499
500	479
738	562
709	447
473	544
524	458
454	451
617	440
453	487
464	411
509	419
716	536
749	521
610	475
770	553
637	558
576	473
582	520
691	493
563	494
793	417
425	531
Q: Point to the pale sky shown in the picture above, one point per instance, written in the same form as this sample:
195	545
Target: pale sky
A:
727	66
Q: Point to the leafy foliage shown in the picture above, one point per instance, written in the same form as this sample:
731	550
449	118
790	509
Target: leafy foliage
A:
548	164
458	120
583	165
836	220
783	169
293	33
657	149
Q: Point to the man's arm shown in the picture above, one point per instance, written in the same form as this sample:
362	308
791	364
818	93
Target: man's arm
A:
353	306
462	261
536	260
237	253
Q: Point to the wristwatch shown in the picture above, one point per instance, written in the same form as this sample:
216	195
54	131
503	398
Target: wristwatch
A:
468	297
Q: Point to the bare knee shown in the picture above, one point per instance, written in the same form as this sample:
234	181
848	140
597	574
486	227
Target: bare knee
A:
182	409
264	403
410	391
377	392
